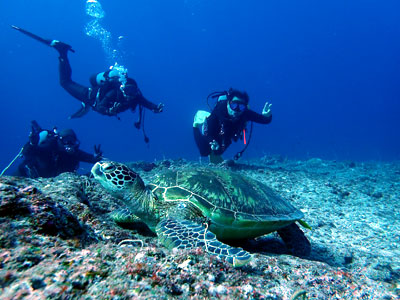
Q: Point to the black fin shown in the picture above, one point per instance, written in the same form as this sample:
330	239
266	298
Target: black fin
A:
81	112
38	38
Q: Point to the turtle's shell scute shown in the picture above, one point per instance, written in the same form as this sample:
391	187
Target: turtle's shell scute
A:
227	194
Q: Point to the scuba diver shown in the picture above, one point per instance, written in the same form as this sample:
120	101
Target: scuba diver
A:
51	152
215	131
111	93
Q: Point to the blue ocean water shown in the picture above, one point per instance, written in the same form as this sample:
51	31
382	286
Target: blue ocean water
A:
330	68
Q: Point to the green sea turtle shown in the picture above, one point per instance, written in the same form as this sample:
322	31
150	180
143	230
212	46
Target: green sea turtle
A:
200	207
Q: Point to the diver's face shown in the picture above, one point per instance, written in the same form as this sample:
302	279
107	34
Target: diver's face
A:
69	145
69	149
236	107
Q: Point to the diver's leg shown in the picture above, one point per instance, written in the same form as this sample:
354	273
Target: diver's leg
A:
76	90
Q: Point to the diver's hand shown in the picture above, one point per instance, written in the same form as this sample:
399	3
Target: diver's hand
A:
266	112
159	108
214	145
34	134
98	154
114	109
33	138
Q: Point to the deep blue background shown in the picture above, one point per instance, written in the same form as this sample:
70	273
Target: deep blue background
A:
330	68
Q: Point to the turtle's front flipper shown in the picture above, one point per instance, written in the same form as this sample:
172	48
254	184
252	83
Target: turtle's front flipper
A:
126	219
124	216
185	234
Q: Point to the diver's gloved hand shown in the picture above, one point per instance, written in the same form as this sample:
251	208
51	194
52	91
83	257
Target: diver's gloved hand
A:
34	134
35	127
214	145
98	154
159	108
33	138
266	112
114	109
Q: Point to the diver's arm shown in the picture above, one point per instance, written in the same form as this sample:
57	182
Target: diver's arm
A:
216	119
33	147
258	118
212	133
29	151
86	157
105	105
141	100
211	129
146	103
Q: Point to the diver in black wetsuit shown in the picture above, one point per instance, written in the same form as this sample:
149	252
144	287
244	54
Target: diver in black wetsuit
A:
50	153
112	92
214	132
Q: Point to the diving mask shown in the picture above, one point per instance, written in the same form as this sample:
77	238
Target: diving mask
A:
237	106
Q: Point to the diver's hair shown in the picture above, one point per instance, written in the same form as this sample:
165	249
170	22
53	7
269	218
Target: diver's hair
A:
239	94
68	133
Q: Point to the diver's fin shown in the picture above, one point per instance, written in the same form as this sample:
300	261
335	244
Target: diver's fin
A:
81	112
47	42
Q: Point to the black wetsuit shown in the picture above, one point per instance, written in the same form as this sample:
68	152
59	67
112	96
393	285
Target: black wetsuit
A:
50	160
102	98
224	129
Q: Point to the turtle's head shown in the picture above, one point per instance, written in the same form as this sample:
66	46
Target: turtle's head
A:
117	178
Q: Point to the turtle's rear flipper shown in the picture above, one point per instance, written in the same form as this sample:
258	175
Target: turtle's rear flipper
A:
295	240
185	234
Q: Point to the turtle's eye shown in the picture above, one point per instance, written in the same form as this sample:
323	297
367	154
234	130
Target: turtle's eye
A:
107	167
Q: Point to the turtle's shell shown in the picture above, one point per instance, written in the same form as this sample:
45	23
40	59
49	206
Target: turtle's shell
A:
238	206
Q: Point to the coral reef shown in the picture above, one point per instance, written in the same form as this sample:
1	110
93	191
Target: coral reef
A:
58	240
